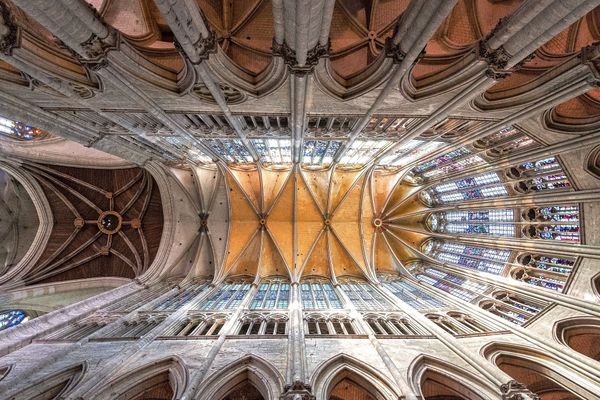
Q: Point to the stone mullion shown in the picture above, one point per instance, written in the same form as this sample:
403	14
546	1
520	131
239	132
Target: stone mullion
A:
489	372
427	16
117	362
585	364
385	357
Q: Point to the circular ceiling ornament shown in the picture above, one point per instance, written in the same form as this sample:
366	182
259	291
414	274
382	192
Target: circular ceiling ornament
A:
109	222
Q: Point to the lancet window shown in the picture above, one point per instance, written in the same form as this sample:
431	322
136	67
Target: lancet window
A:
553	223
199	325
263	324
319	153
181	298
410	152
482	259
231	150
364	296
227	297
550	272
410	294
480	222
11	318
137	299
513	307
79	330
319	295
457	286
274	294
273	151
448	163
318	324
20	131
392	324
361	152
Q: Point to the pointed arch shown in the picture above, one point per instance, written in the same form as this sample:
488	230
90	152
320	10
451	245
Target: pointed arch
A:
4	370
581	334
50	388
250	370
163	379
344	369
435	379
541	373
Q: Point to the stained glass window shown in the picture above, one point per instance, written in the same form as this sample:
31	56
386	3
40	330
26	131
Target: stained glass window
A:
512	307
274	151
361	152
412	295
231	150
319	152
554	223
549	272
479	258
11	318
455	285
227	297
483	222
319	295
364	296
180	299
271	295
411	151
20	131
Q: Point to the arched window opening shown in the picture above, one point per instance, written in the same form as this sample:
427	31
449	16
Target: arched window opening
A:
467	323
199	325
348	389
445	323
409	293
136	300
319	295
550	272
513	307
319	153
263	324
135	328
439	386
537	377
552	223
593	162
364	296
155	388
244	391
482	259
271	294
452	284
392	324
479	222
54	386
181	298
12	318
77	331
318	324
582	335
227	297
20	131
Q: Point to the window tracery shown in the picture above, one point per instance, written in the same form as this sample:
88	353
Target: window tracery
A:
481	259
457	323
364	297
200	325
513	307
319	153
334	324
499	222
273	151
12	318
457	286
180	298
410	294
319	295
231	150
227	297
263	324
553	223
136	327
550	272
20	131
272	294
392	324
361	152
410	152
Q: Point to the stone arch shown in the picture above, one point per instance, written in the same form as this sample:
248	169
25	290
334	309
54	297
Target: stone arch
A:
4	370
581	334
50	388
346	370
249	371
432	379
592	164
541	373
163	379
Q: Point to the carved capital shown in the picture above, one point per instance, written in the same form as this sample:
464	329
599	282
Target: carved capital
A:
497	59
8	31
289	57
394	51
513	390
297	391
96	50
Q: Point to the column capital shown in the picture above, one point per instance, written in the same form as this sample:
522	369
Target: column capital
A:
513	390
8	31
297	391
289	56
